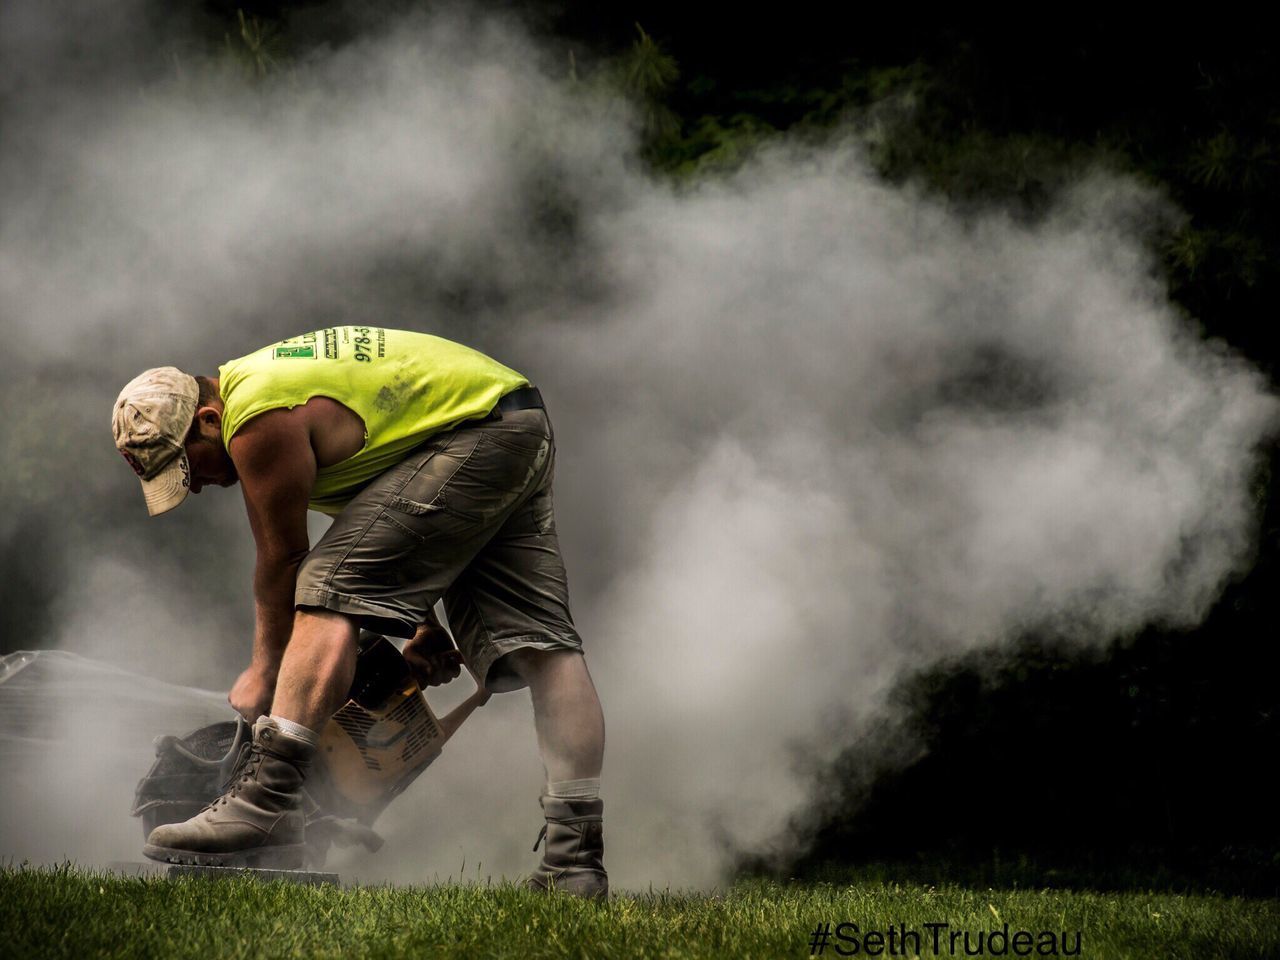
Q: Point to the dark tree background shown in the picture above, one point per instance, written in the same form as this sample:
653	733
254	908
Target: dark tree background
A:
1145	763
1142	764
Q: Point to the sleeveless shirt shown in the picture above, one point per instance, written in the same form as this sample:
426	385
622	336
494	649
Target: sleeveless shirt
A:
404	386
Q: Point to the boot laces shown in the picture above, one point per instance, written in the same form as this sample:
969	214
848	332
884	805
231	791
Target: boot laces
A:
246	769
541	835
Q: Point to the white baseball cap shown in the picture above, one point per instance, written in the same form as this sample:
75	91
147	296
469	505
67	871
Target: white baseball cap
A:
150	421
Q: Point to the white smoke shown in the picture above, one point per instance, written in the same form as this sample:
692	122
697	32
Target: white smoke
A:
813	430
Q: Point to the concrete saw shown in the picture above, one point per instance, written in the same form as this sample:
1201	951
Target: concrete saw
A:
373	747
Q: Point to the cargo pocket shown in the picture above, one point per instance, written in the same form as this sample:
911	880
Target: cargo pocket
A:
430	521
510	461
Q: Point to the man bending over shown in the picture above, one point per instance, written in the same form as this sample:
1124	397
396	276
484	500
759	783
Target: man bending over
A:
436	463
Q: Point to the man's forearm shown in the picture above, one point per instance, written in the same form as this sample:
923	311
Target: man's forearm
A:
273	587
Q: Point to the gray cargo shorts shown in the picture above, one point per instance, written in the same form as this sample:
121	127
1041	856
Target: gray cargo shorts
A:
466	517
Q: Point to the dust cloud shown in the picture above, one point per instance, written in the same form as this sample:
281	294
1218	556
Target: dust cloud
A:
814	430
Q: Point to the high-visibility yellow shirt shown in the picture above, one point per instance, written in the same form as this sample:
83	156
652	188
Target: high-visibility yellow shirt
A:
405	386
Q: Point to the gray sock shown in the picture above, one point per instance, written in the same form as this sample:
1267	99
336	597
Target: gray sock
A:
586	789
296	730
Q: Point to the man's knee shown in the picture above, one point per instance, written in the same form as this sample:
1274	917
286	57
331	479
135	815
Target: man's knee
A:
531	664
319	625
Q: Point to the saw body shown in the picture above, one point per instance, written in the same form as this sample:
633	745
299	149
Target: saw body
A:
370	750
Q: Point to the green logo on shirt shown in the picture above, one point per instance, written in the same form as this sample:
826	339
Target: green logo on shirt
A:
307	352
298	348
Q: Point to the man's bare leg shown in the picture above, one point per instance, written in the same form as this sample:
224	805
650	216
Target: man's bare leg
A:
570	727
317	670
260	820
566	712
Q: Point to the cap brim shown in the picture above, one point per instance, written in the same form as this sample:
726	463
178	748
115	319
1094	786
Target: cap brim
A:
169	487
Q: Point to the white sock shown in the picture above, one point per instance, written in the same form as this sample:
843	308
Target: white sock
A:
586	789
296	730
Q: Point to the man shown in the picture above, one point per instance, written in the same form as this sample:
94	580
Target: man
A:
436	463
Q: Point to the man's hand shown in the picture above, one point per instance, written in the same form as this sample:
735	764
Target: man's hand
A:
431	656
251	695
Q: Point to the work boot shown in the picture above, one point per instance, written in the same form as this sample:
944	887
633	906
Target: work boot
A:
258	822
573	858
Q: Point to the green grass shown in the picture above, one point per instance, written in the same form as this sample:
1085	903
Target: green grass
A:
67	912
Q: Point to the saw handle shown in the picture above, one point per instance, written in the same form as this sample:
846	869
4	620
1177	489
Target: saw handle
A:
452	720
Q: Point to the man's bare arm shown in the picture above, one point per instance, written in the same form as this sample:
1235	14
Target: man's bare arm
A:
277	467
